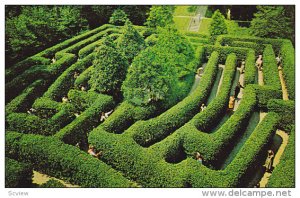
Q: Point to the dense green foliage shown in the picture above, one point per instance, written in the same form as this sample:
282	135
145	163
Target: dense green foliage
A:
52	183
17	174
109	68
118	17
63	161
130	42
272	22
160	16
218	25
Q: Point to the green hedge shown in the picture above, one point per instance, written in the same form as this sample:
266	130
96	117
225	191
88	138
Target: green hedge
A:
46	107
287	52
23	101
18	84
250	68
197	35
62	64
84	77
228	39
202	41
207	119
50	52
65	81
52	183
271	75
77	130
266	93
283	176
286	111
151	40
64	116
240	52
81	44
258	48
213	145
27	123
148	132
17	174
82	99
53	157
20	67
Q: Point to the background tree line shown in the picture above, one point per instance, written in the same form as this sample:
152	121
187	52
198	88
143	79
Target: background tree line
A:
30	29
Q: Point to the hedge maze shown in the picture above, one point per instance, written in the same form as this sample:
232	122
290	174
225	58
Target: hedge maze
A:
143	148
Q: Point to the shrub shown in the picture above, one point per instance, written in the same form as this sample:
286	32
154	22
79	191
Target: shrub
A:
27	123
283	176
84	77
52	183
20	67
118	17
25	99
287	52
258	48
216	109
64	82
50	52
77	130
82	99
148	132
250	68
53	157
46	107
264	94
271	76
151	40
18	84
17	174
240	52
63	63
286	111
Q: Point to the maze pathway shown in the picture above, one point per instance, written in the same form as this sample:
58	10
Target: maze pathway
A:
40	178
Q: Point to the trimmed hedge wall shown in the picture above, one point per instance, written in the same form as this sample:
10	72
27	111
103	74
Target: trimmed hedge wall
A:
84	77
287	52
17	174
20	67
286	111
264	94
205	120
50	52
52	183
271	76
23	102
240	52
283	176
77	130
65	81
250	68
148	132
81	100
258	48
53	157
46	107
27	123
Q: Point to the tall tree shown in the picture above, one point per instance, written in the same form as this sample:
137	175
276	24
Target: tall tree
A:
150	79
118	17
130	41
218	25
109	68
273	22
160	16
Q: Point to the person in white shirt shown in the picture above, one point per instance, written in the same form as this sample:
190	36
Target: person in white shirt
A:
203	107
105	115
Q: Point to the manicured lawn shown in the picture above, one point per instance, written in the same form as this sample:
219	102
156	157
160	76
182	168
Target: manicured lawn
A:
205	23
182	23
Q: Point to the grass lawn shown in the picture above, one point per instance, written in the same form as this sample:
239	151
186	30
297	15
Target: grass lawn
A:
182	23
183	11
205	23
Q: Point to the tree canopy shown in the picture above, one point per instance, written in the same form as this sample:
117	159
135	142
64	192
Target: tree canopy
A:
109	68
218	25
149	79
273	22
118	17
130	41
160	16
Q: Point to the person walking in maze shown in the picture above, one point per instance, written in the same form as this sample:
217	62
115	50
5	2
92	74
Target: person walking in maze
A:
243	66
93	153
237	89
278	59
231	103
76	74
269	161
105	115
199	158
259	62
65	99
203	107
